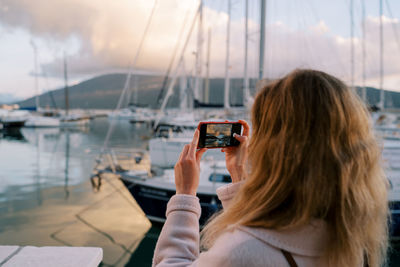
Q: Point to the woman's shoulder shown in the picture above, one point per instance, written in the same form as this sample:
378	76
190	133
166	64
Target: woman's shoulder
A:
250	246
238	248
307	240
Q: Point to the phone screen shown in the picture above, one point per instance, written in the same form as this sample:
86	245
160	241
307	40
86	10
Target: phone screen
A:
213	135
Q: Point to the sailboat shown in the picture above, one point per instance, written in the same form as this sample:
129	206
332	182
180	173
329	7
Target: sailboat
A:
65	120
38	120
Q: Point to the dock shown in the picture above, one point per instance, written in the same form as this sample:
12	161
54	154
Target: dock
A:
29	256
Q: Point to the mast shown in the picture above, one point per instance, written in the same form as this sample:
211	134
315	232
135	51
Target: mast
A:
262	40
245	74
135	89
199	54
129	94
66	86
364	77
352	43
207	85
183	98
382	92
227	80
35	62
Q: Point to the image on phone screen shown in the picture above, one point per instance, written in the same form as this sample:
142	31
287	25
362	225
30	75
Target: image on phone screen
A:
218	135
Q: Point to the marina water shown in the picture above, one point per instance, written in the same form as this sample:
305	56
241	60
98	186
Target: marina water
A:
47	199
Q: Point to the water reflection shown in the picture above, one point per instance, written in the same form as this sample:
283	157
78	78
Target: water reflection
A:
66	169
12	134
144	252
46	197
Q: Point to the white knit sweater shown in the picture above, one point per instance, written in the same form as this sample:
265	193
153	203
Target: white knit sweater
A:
178	244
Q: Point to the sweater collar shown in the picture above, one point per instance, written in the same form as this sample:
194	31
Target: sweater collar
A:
307	240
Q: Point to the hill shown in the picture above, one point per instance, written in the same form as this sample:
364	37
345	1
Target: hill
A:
103	92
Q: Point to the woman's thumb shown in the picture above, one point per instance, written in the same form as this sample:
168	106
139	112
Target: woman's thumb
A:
240	138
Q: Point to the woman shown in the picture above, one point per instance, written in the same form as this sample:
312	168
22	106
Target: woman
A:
312	191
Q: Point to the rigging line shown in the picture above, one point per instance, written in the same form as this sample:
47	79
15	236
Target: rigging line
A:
128	77
166	76
134	244
352	43
50	92
256	43
47	90
364	77
394	26
47	87
307	22
306	45
302	43
261	62
381	66
116	190
330	45
314	11
227	54
214	21
172	83
54	234
246	92
105	234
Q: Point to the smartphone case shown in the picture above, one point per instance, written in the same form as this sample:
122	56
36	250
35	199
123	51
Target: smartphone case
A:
214	122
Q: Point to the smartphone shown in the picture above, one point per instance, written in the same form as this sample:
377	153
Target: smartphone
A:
218	134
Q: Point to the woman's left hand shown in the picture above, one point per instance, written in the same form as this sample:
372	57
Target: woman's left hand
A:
187	169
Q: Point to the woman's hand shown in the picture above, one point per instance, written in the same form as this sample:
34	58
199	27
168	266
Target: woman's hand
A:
236	157
187	169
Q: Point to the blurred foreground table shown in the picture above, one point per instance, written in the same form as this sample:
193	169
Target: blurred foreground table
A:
50	256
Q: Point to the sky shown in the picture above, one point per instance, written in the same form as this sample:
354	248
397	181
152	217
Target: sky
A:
98	36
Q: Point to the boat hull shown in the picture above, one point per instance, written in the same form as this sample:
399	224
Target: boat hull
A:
13	124
153	201
395	220
42	122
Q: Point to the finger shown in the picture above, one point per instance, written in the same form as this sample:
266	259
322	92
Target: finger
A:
240	138
196	137
222	149
184	152
246	128
229	149
193	145
200	153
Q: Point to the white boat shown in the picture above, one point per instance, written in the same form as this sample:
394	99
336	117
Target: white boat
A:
143	115
179	118
153	193
41	122
164	152
122	114
74	120
13	118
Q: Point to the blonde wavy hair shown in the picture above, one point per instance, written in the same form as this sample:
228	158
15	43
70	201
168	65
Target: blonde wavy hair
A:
313	155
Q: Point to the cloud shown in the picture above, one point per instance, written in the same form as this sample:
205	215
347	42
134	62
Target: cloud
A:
108	35
319	48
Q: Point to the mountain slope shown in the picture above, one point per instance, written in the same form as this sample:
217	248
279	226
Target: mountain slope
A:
103	92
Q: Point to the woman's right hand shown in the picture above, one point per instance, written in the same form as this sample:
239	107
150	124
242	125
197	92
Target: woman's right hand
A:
236	157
